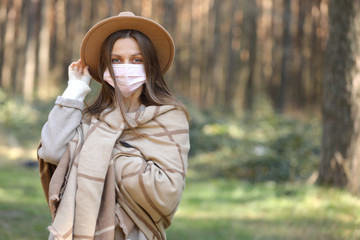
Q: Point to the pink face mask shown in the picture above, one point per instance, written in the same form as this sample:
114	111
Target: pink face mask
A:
129	77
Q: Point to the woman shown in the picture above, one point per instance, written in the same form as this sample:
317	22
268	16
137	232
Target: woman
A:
116	170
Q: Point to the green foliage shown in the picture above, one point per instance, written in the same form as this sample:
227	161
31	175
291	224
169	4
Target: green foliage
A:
258	147
20	121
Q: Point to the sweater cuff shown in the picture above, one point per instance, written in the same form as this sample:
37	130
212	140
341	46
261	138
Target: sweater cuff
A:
69	103
76	90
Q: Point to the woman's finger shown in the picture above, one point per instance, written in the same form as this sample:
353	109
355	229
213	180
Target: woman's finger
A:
86	71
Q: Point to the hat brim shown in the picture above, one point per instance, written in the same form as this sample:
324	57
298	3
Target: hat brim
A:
94	38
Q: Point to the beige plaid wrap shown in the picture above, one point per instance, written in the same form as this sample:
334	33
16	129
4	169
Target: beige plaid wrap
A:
113	176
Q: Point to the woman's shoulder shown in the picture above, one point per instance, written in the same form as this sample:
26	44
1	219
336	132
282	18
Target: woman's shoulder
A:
86	118
162	110
172	115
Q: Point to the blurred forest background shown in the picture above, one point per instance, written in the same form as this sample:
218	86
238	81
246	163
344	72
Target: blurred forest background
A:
272	87
228	53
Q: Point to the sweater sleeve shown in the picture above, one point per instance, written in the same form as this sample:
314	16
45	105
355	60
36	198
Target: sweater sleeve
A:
60	128
76	90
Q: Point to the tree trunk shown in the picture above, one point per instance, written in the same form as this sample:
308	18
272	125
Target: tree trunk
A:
30	55
44	51
252	42
299	58
9	50
211	95
233	55
21	42
341	100
286	58
276	35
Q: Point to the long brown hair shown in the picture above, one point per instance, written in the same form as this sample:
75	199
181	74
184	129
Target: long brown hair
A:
154	92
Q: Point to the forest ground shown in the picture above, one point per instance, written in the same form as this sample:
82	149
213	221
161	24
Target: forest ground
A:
210	209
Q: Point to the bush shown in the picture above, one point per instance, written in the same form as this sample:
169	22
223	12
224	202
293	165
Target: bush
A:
21	122
263	146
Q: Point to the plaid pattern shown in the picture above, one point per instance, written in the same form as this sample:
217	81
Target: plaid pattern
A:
144	170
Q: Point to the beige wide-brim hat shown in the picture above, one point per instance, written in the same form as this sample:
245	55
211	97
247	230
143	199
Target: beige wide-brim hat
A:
94	38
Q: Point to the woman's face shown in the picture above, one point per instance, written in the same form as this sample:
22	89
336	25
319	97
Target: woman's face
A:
127	51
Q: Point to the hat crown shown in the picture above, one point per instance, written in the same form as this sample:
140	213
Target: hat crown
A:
126	14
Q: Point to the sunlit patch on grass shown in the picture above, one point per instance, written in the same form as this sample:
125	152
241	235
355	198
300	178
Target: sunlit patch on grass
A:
16	153
10	196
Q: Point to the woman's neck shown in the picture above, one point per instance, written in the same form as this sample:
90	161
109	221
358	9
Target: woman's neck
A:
131	105
133	102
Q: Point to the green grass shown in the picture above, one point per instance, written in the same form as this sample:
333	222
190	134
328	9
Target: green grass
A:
223	209
23	209
210	209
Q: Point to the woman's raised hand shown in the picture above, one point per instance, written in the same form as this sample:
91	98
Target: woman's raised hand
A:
78	72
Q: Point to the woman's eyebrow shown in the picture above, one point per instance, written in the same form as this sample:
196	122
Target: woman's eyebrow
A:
116	55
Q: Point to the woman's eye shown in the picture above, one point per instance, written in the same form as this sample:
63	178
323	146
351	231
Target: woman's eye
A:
137	60
115	60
